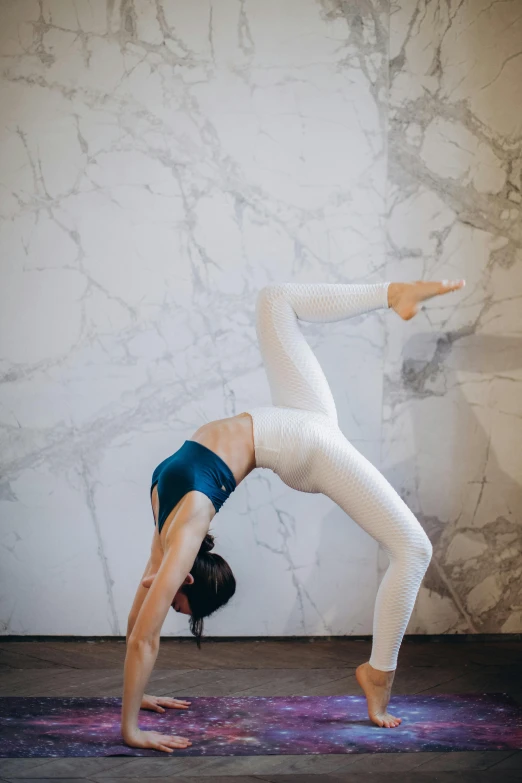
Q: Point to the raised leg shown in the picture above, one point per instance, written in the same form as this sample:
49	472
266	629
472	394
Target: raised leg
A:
294	373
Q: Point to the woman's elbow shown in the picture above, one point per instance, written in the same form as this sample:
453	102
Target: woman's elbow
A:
138	641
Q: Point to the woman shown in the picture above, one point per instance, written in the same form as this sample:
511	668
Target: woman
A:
299	439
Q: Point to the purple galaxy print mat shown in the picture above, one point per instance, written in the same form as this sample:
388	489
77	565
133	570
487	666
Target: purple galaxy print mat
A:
254	726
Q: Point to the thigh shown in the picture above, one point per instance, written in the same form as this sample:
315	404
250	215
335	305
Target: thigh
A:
349	479
302	436
294	374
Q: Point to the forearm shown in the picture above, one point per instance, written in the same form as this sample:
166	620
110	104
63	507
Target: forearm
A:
141	594
139	662
130	625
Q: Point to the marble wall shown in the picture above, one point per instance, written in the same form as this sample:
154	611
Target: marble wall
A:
160	161
452	413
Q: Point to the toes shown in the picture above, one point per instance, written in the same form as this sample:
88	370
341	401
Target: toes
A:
388	722
448	285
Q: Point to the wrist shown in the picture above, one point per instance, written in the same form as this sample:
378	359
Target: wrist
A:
130	734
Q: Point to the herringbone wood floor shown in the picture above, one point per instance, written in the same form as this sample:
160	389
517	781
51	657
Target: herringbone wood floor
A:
264	668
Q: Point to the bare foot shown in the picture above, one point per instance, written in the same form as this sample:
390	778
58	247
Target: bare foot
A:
405	298
377	689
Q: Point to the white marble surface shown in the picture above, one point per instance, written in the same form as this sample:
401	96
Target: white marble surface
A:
160	162
452	413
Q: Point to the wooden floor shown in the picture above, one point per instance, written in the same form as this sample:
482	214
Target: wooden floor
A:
265	668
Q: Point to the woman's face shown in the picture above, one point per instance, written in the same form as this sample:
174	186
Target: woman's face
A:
180	603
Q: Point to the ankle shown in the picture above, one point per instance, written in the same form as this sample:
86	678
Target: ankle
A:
380	677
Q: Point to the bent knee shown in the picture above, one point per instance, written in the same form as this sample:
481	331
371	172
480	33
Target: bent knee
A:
413	549
268	293
272	304
420	548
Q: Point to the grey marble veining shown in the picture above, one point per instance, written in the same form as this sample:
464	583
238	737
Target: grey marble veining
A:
160	162
452	404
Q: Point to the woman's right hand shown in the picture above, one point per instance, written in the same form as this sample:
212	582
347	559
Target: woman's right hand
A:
157	741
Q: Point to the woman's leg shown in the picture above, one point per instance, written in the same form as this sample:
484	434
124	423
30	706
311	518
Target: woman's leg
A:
340	472
351	481
294	373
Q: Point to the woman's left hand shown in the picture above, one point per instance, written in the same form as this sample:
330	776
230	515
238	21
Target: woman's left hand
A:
158	703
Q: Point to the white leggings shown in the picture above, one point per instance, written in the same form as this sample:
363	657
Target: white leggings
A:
299	439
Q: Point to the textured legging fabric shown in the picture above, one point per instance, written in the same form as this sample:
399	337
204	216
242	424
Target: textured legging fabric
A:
299	439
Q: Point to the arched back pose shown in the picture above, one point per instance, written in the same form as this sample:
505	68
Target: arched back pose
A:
299	439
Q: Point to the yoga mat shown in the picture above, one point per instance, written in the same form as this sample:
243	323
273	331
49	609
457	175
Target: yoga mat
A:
254	725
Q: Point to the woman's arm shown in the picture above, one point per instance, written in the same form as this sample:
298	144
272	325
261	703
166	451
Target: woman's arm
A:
139	598
148	702
183	544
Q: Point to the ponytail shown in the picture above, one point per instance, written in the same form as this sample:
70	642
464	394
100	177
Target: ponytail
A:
214	585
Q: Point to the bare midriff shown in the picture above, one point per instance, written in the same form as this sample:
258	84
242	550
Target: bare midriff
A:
231	439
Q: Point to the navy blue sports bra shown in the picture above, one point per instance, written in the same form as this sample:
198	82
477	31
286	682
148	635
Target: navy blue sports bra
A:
193	466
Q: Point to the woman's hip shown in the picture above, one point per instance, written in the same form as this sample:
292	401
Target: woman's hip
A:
290	441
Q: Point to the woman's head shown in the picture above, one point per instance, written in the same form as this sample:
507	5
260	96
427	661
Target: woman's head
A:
211	586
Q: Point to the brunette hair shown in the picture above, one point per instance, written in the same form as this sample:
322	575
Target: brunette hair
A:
214	584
